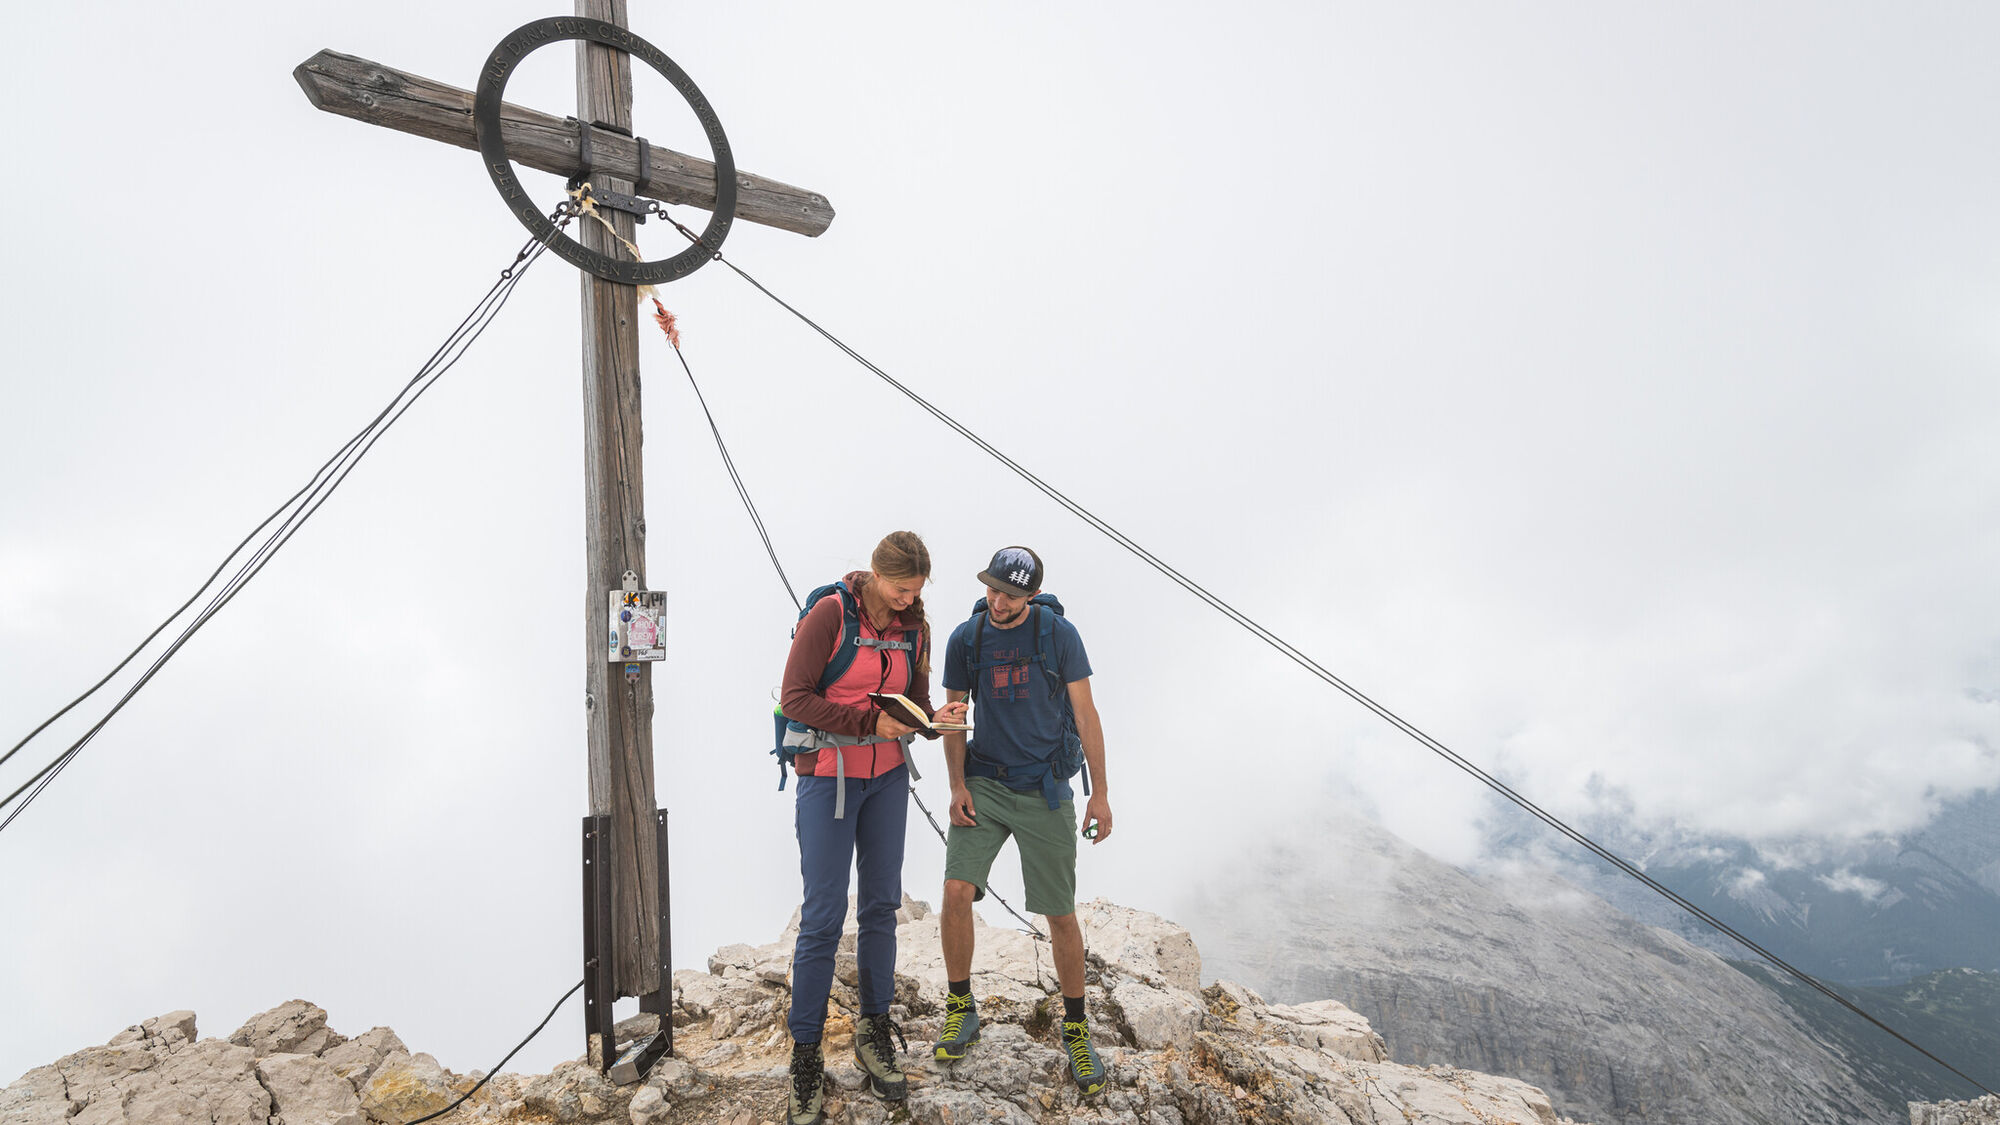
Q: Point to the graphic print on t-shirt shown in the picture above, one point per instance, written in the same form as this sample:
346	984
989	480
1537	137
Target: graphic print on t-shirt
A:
1008	679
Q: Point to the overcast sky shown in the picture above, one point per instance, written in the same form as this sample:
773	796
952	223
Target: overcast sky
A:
1610	392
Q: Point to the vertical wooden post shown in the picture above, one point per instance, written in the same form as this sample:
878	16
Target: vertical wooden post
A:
620	712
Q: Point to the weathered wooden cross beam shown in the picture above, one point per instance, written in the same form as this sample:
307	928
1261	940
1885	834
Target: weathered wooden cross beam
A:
619	707
381	95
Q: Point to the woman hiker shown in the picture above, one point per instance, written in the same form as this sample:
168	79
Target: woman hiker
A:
853	801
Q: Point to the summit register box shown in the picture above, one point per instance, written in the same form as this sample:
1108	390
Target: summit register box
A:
638	625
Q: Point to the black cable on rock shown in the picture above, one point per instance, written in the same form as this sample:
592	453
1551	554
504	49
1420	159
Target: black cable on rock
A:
503	1062
1314	667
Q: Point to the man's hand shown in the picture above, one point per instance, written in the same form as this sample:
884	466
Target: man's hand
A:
961	807
1098	811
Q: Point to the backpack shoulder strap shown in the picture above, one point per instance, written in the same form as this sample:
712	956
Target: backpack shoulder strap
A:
972	655
850	631
1045	648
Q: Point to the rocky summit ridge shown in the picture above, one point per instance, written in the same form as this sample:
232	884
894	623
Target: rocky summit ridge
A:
1178	1054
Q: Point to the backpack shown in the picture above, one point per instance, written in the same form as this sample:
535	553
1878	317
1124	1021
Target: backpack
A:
793	736
1066	760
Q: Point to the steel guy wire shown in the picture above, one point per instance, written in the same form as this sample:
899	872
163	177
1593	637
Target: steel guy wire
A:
1298	657
736	479
317	491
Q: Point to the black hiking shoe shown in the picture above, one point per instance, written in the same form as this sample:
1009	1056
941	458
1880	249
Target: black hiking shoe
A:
807	1099
877	1057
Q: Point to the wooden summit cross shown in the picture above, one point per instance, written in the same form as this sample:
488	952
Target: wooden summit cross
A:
626	939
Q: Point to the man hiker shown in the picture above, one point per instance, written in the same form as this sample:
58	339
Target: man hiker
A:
1025	670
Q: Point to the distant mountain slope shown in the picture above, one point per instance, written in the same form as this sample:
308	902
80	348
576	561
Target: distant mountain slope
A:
1875	912
1618	1021
1954	1014
1967	836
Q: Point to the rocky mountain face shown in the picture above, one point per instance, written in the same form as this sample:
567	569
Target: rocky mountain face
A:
1524	975
1179	1054
1872	912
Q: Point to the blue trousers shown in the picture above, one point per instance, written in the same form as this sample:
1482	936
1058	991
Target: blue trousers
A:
870	839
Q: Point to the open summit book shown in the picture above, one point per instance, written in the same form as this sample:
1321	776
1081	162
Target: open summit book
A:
900	708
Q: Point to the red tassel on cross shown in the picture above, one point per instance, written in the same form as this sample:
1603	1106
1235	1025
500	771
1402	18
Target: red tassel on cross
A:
667	324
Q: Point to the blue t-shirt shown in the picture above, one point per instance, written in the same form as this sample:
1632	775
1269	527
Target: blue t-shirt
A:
1020	718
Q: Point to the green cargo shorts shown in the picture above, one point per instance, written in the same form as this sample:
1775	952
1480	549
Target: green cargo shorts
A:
1045	838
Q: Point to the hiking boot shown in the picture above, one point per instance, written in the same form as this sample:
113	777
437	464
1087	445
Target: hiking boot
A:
877	1057
807	1105
961	1028
1083	1062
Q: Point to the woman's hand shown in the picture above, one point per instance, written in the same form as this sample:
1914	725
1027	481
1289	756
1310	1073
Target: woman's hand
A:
952	712
888	726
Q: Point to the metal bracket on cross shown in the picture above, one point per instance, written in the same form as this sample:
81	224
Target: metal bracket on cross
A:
486	121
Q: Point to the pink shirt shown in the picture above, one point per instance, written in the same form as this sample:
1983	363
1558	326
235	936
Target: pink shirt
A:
844	707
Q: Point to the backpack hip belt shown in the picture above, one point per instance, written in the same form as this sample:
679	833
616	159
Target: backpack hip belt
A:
1043	768
810	741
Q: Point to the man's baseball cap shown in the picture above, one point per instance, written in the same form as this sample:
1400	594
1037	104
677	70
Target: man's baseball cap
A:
1014	570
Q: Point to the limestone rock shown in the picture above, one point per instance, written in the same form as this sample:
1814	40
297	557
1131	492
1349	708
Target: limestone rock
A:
204	1083
292	1028
1175	1056
1984	1111
172	1028
636	1026
576	1092
306	1090
674	1077
649	1106
357	1059
1158	1017
39	1097
1010	965
1142	944
1330	1026
405	1087
153	1071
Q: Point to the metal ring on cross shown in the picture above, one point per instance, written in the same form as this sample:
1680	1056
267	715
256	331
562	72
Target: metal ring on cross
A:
486	121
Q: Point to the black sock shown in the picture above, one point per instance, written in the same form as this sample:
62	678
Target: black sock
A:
1072	1009
961	987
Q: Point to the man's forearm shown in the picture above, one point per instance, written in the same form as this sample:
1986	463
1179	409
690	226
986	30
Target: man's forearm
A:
954	746
954	758
1091	730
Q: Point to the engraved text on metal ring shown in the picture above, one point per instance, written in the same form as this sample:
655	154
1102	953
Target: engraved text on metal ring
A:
486	120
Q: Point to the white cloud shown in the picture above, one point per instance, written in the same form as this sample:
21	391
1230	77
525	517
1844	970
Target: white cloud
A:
1846	881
